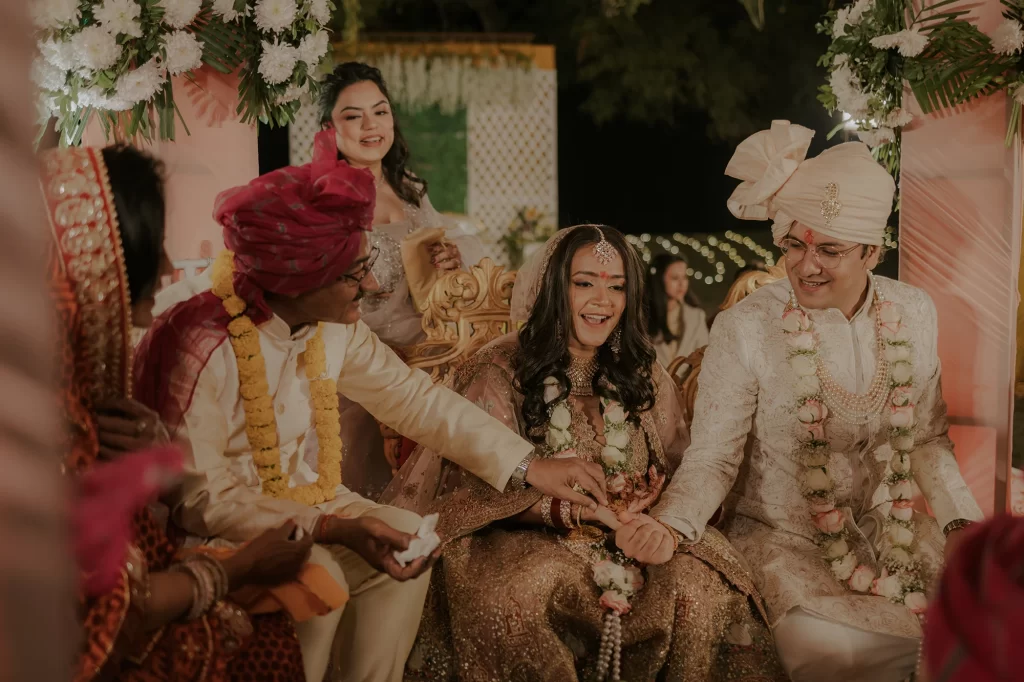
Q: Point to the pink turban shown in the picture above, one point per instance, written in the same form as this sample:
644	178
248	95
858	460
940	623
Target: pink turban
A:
298	228
843	192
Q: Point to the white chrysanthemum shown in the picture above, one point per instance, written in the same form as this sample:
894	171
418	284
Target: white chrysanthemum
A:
1008	38
180	13
226	9
95	48
313	48
47	76
142	83
49	14
842	19
120	17
277	62
97	99
320	10
877	137
848	93
184	53
58	53
1018	94
858	10
898	118
840	59
292	93
275	16
910	42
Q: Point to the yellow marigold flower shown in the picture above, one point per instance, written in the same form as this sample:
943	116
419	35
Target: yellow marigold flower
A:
261	418
267	457
315	368
246	346
264	402
223	273
325	418
254	389
240	325
234	305
261	437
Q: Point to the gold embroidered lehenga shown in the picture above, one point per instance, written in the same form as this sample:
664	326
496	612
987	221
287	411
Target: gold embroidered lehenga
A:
510	601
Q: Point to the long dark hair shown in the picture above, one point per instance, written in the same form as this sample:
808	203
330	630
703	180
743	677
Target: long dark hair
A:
406	185
137	181
544	339
657	299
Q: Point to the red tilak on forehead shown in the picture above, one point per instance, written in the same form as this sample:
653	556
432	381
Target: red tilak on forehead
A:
604	275
808	237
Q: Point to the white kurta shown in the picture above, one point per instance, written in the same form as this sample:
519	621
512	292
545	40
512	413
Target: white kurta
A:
220	499
746	402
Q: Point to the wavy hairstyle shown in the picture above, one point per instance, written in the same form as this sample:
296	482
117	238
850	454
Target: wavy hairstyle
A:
407	186
544	339
657	299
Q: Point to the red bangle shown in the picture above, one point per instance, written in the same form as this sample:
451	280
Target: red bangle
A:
321	529
556	513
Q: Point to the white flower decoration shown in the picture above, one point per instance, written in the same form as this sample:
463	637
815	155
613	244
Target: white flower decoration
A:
877	136
180	13
320	11
51	14
910	42
900	537
614	413
184	53
1008	38
862	579
612	457
275	16
225	9
95	48
843	568
141	84
313	48
561	418
839	548
803	365
120	17
47	76
902	372
277	62
617	438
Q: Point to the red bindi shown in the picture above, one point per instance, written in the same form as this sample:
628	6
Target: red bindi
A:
604	275
808	237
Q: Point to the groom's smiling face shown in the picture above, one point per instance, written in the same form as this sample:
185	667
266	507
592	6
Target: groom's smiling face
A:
598	296
826	272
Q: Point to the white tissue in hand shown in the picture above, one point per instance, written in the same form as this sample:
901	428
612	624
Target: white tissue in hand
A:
425	542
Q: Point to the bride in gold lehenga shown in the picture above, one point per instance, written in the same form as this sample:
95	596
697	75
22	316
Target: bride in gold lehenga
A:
531	588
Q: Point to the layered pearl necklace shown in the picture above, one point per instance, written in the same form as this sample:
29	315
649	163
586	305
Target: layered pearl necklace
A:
822	398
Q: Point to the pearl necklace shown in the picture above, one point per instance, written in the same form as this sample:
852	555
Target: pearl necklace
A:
857	408
581	374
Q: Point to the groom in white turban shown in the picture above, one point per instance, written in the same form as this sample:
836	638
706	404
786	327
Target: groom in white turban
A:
819	409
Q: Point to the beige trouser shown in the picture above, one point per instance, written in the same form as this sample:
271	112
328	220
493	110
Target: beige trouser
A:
814	649
369	639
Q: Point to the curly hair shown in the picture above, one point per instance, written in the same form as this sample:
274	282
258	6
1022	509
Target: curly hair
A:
543	349
407	186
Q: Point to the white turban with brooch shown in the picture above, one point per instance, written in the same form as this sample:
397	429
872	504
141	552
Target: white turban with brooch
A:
842	193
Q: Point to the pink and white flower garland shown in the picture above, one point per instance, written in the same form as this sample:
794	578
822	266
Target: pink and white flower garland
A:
900	580
618	576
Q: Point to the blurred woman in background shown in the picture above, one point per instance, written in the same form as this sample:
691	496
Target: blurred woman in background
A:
676	321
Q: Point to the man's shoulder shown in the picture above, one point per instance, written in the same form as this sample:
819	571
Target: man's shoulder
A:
914	300
767	302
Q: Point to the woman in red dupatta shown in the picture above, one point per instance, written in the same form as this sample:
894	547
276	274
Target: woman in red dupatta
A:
975	627
134	621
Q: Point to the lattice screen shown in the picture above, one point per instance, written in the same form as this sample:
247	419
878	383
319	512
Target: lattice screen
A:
513	159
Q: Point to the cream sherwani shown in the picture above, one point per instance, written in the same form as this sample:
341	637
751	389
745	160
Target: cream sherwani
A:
746	403
221	499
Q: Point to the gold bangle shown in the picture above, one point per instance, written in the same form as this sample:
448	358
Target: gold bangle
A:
956	524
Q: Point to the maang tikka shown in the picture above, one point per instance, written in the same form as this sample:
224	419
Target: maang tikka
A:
604	252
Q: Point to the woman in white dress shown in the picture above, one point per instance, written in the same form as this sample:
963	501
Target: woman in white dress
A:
676	322
354	102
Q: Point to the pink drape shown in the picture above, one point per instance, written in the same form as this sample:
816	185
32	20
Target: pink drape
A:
960	241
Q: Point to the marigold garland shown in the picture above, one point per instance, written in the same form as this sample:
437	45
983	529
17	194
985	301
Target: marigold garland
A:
260	422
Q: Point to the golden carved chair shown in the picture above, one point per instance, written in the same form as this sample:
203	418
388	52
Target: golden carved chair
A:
685	371
465	311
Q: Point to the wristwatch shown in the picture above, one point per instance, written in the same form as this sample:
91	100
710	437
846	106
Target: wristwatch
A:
517	481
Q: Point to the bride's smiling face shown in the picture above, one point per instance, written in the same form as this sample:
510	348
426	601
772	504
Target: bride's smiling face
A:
597	294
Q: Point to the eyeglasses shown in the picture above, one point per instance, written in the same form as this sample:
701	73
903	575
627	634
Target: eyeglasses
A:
358	277
827	257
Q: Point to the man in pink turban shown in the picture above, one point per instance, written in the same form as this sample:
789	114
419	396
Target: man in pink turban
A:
260	412
819	409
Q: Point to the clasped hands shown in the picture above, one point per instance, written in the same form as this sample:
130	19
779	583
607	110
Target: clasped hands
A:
639	536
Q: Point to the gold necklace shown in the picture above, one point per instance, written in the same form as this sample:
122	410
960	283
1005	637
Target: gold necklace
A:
581	375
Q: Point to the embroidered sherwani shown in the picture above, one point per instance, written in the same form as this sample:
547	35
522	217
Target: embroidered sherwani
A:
744	447
221	496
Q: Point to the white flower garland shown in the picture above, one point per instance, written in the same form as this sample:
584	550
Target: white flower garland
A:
900	580
113	56
617	575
